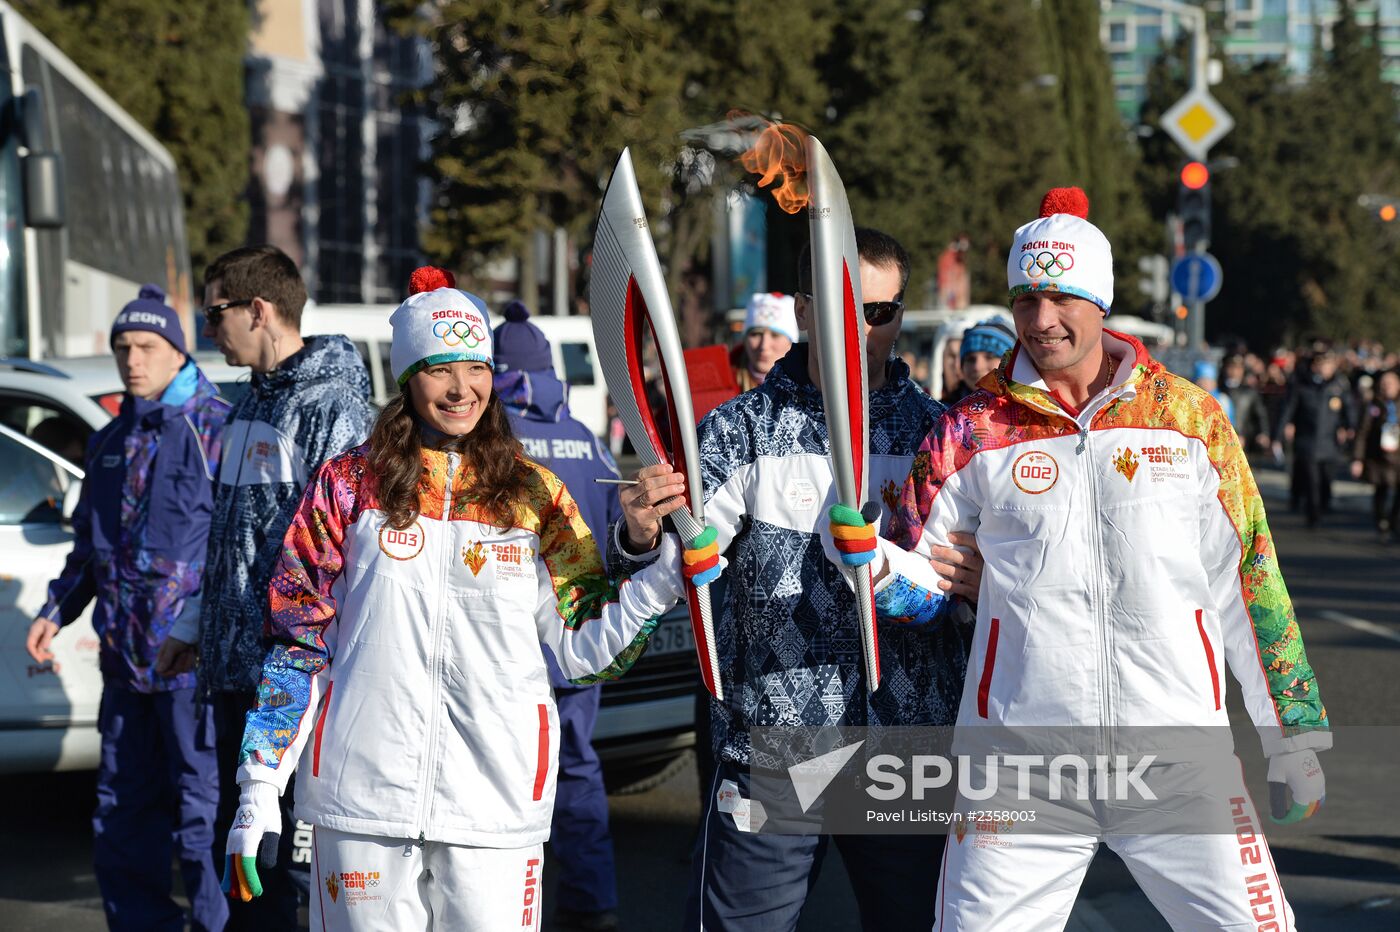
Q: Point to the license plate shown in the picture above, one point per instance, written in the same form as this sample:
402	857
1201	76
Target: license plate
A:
672	636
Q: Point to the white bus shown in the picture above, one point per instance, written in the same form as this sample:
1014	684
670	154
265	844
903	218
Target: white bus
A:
90	203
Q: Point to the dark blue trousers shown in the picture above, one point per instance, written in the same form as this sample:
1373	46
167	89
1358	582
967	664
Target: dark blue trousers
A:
579	837
157	790
749	882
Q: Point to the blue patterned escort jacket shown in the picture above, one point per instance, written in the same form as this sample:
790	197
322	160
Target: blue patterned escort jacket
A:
292	419
789	646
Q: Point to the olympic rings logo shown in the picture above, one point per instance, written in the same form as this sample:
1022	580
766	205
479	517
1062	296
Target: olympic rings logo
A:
459	333
1051	264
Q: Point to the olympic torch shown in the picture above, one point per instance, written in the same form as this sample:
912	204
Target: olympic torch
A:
838	338
629	302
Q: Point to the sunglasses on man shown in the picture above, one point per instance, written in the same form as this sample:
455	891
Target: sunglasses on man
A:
877	313
214	313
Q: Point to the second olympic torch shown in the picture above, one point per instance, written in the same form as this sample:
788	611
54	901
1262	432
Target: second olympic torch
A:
838	338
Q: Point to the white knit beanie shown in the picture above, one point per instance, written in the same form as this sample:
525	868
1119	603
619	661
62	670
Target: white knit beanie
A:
773	310
1062	251
438	324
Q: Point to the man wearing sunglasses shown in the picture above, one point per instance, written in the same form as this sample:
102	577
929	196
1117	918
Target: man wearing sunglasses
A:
308	401
789	646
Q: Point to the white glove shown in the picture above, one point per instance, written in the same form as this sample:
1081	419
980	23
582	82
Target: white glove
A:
256	826
1298	773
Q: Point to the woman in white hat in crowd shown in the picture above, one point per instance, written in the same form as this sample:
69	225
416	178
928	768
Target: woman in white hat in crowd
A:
770	329
421	574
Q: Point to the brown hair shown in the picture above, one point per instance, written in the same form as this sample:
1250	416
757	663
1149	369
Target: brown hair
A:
491	452
260	272
875	247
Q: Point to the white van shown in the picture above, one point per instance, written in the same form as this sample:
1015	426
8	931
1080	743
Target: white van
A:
575	357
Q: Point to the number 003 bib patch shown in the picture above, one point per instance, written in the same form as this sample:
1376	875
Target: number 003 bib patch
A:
401	545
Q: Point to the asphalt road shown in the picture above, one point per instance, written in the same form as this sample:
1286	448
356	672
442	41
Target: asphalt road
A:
1341	871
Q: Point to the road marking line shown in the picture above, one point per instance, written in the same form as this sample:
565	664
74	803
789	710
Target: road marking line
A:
1361	624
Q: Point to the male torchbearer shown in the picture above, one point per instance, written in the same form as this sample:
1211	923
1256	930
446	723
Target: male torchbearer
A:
789	644
1129	561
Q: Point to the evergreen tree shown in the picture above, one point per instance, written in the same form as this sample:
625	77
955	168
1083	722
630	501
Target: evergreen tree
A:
177	68
887	78
1353	151
997	128
934	136
535	102
1097	153
748	56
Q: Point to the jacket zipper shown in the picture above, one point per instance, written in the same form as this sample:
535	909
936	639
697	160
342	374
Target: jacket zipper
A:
435	659
1087	415
199	445
1097	581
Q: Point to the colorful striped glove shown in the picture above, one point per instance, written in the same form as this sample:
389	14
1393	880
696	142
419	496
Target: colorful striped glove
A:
855	538
256	825
700	561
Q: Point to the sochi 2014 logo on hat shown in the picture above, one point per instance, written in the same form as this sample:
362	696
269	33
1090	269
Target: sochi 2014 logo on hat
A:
459	329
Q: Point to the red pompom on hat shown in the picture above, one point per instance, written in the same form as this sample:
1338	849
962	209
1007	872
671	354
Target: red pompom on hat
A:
1065	201
430	278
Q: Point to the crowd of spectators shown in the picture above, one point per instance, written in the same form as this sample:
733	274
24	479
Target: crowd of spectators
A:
1326	411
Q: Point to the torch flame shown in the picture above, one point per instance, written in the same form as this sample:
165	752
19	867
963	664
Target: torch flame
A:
778	155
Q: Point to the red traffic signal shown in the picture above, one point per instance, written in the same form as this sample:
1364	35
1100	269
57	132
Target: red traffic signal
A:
1195	175
1387	212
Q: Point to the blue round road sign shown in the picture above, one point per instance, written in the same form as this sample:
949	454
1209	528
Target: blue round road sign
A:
1197	277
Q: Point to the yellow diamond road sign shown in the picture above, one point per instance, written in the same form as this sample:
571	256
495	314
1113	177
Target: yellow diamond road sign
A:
1196	122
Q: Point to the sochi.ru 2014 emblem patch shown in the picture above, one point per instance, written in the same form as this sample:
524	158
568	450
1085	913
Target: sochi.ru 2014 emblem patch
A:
474	557
1126	462
1035	472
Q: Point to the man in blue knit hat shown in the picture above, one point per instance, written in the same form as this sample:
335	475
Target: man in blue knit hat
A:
537	402
140	531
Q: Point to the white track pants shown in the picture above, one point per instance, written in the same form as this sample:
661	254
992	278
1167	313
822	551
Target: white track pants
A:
999	881
364	882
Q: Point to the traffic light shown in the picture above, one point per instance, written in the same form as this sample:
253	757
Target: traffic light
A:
1193	205
1153	279
1387	212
